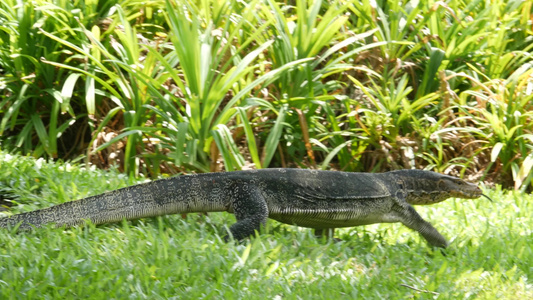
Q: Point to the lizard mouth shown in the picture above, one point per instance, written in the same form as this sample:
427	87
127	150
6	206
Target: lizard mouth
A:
472	192
476	193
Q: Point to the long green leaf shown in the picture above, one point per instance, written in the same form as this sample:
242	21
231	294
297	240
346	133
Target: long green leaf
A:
233	159
332	154
273	75
12	111
39	127
250	138
272	141
67	90
117	138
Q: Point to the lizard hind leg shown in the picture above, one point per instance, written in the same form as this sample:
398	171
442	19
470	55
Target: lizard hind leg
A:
328	234
250	209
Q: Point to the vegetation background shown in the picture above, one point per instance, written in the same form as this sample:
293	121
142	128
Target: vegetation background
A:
178	86
164	87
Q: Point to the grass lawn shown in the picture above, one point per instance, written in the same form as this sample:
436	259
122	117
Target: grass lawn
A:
490	257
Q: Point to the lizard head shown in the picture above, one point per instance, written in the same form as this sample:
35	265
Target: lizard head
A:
424	187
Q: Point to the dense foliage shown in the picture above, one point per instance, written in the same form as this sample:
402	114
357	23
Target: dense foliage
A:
165	86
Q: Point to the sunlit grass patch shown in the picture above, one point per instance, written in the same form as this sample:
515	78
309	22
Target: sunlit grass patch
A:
160	258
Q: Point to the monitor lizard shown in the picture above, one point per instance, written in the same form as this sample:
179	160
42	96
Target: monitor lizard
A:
322	200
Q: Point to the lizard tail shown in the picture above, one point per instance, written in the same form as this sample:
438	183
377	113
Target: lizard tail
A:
106	208
140	201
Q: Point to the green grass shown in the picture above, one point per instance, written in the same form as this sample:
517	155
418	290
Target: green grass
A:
169	257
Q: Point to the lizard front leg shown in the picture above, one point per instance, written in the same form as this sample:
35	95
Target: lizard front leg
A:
410	218
250	209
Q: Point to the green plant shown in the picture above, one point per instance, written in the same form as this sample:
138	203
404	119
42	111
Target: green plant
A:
315	31
214	70
35	111
502	112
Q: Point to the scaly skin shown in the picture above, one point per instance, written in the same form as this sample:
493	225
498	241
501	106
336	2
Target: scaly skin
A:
322	200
